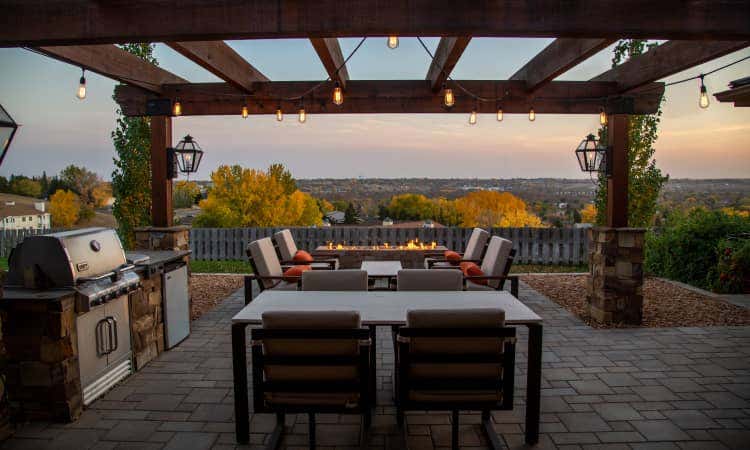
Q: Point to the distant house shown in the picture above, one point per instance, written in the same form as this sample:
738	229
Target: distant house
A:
24	217
387	222
335	217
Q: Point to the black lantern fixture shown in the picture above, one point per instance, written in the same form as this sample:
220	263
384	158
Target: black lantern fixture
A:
592	156
187	155
8	128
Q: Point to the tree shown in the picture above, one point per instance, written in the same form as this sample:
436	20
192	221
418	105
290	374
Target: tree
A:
64	207
184	193
82	181
4	185
44	183
495	209
254	198
411	207
350	214
589	214
645	180
25	186
101	194
284	177
131	179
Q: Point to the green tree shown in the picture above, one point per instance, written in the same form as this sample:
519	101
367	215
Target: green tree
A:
25	186
645	179
131	179
284	177
350	214
4	185
185	193
82	181
411	207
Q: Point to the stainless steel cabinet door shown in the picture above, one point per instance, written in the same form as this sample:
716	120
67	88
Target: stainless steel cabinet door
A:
92	344
117	313
176	306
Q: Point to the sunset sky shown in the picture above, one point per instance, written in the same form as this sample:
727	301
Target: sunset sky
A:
58	129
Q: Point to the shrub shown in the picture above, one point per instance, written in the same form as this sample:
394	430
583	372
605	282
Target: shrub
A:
685	249
732	273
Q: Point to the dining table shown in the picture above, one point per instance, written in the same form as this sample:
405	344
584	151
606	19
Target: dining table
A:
385	308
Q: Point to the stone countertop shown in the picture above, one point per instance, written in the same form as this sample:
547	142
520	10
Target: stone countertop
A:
11	293
159	256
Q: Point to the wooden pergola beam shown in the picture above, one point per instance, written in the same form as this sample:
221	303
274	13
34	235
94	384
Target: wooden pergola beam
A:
36	23
740	96
396	96
665	60
557	58
221	60
116	63
329	52
449	50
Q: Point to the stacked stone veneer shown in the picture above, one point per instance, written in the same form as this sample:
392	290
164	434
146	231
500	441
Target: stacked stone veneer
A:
615	285
42	376
158	238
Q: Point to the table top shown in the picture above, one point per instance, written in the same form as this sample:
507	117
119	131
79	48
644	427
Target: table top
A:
384	307
379	248
381	268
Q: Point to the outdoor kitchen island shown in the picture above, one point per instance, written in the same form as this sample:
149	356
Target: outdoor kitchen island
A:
78	317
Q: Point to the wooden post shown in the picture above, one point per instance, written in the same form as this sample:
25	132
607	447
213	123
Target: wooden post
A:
617	184
161	186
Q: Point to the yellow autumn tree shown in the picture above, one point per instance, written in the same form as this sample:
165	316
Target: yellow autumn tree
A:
588	213
184	193
64	207
495	209
242	197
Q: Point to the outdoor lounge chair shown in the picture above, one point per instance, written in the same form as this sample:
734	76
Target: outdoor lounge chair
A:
267	270
429	280
311	362
334	280
473	252
456	360
288	248
495	267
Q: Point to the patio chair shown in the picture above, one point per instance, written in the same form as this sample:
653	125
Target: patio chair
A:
267	269
429	280
495	268
473	252
456	360
288	249
311	362
335	280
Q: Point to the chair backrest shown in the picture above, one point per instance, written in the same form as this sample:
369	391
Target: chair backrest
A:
429	280
334	280
287	246
265	260
456	356
310	358
496	259
475	244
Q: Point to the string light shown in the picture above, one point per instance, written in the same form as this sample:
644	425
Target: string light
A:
392	42
499	113
473	116
81	94
279	114
177	108
602	117
302	114
338	95
448	97
532	114
703	101
244	112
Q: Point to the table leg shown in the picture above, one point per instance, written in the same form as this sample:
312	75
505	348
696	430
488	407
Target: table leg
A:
533	383
373	362
239	362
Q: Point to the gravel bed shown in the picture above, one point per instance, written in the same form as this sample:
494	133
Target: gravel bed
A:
208	290
664	304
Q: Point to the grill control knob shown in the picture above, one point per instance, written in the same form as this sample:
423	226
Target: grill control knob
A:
95	245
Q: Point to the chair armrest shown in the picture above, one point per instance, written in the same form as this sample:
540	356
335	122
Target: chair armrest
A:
325	255
486	278
331	263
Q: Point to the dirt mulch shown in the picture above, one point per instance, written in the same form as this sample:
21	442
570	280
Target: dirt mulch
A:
664	304
209	290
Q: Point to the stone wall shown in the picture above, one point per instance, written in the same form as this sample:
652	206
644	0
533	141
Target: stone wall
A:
615	285
147	321
42	374
157	238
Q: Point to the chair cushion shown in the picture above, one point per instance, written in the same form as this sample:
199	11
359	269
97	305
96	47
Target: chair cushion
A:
475	244
452	257
292	274
429	280
470	269
302	257
496	258
456	396
335	280
451	318
266	261
340	399
285	241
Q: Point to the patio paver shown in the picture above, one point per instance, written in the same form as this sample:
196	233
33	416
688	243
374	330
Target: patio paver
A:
671	388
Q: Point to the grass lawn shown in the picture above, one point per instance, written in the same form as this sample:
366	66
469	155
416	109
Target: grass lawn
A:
4	264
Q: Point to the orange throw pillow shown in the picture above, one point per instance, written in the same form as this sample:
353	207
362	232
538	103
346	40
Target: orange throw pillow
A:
470	269
452	257
292	274
302	257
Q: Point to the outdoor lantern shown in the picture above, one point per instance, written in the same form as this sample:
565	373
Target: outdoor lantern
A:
591	155
8	128
188	155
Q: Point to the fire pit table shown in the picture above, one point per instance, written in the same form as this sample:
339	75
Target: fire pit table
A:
411	255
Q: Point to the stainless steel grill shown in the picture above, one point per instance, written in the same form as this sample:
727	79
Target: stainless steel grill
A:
91	261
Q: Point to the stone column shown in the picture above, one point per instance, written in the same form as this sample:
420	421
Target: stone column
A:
162	238
615	284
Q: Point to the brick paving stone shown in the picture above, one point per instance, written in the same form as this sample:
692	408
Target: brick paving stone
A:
191	441
620	436
619	379
583	422
655	393
617	411
660	430
689	419
132	430
724	400
591	387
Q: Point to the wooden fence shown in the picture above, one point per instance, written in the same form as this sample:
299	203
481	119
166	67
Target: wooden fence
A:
10	238
533	245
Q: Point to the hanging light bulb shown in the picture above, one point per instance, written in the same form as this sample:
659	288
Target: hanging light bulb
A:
703	102
177	108
473	116
532	114
499	113
392	42
302	114
448	97
602	117
244	112
338	95
279	114
81	94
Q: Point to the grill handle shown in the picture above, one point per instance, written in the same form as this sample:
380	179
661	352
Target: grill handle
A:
113	344
113	274
101	349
